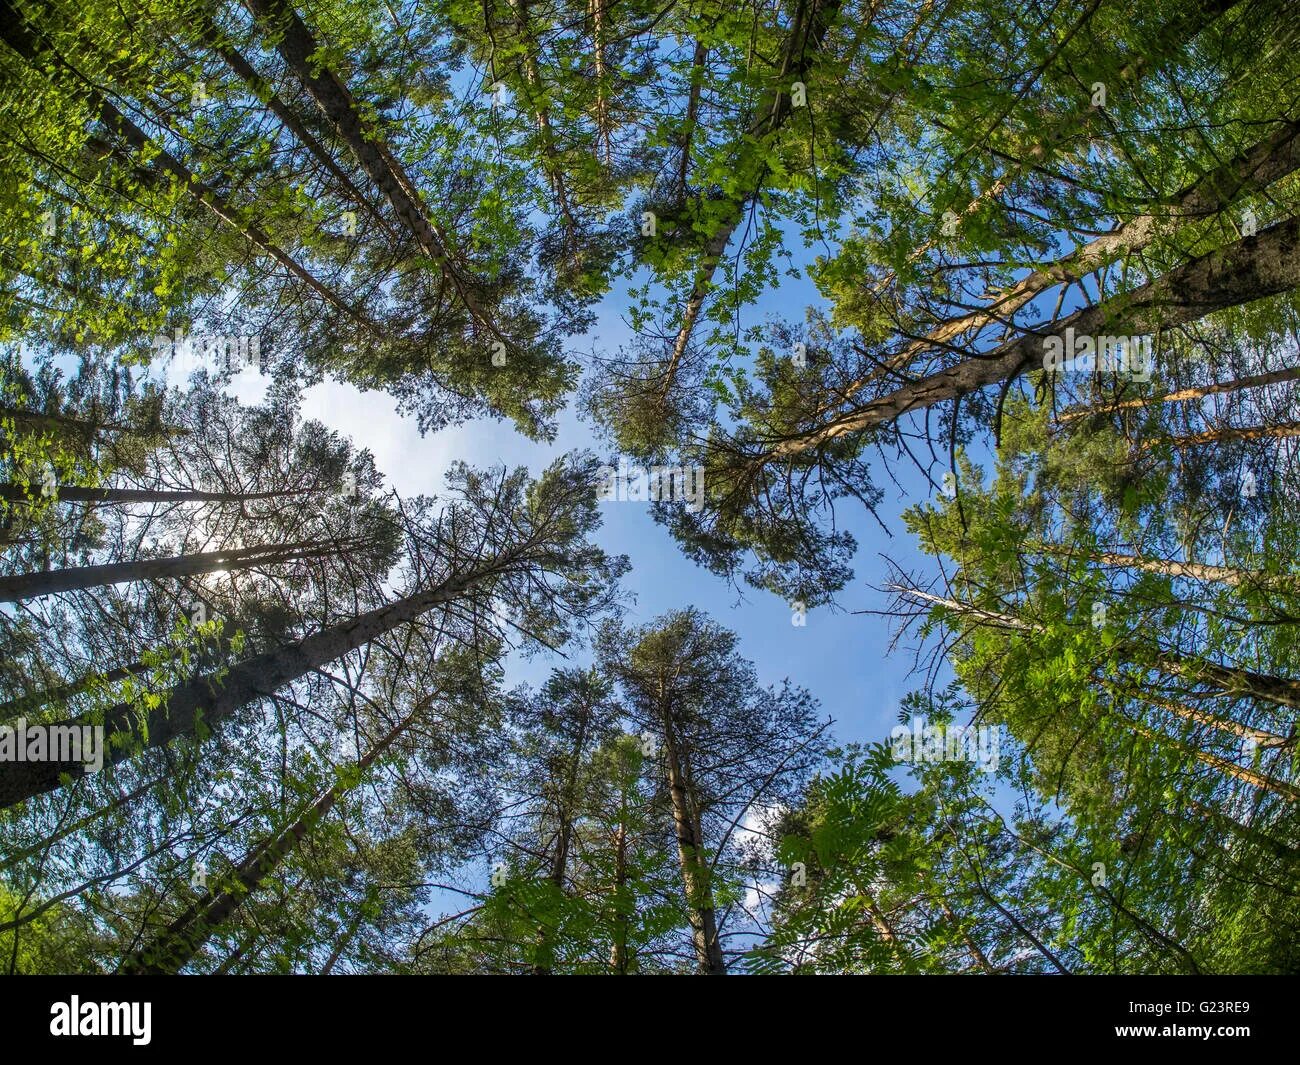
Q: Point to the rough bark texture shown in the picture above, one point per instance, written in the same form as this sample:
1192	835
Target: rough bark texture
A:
214	700
1250	269
690	856
174	948
19	586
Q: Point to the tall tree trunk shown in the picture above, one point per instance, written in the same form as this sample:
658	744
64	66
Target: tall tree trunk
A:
344	941
214	698
1250	269
690	856
19	586
69	493
261	88
301	52
563	835
34	700
1255	169
618	956
980	957
603	128
1228	432
1200	571
812	21
1257	736
175	947
20	36
13	858
536	93
1230	680
1227	768
1247	833
87	428
1182	395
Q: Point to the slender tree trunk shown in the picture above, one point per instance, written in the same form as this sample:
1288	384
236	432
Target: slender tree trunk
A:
1182	395
698	59
216	698
26	703
344	941
1247	833
13	858
15	32
1250	269
1259	737
300	51
1020	927
813	20
261	88
68	493
1226	433
980	957
1255	169
1230	680
563	836
690	856
174	948
603	129
1255	779
237	955
532	78
618	957
19	586
85	427
1169	567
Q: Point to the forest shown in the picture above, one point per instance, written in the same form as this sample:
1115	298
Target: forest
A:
840	520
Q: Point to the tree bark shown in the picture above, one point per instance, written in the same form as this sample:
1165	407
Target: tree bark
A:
1225	433
19	35
300	51
1250	269
175	947
1169	567
260	88
34	700
67	493
214	698
690	856
812	22
20	586
1291	373
1252	170
618	956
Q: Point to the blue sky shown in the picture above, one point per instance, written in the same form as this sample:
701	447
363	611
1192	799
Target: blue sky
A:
842	658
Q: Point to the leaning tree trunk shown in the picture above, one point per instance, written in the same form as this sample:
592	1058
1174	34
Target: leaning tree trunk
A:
300	51
1229	432
1183	395
19	586
35	700
26	41
1250	269
69	493
175	947
1230	680
802	48
214	698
